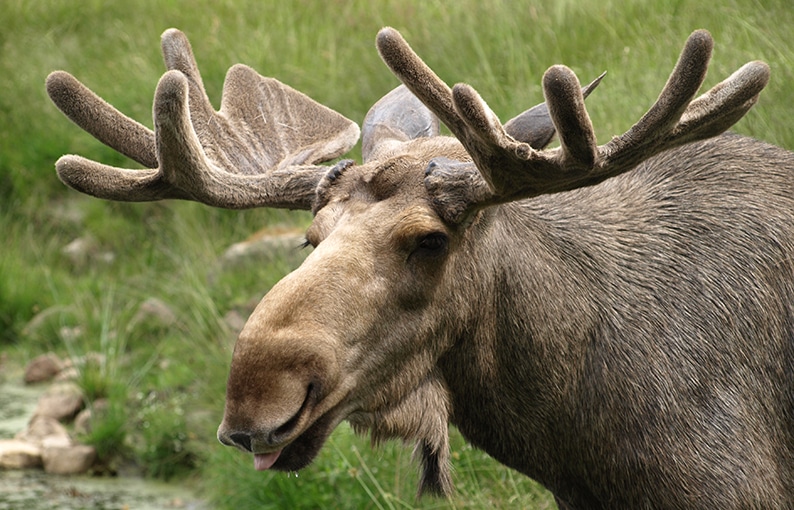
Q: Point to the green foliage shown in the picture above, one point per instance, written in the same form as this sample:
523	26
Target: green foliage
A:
348	473
162	443
165	381
109	432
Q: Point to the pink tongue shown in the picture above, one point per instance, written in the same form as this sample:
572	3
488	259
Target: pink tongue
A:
263	461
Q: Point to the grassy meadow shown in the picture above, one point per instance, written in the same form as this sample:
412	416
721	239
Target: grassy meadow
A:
165	382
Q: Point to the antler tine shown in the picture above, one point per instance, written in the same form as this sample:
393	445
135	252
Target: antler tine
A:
178	56
419	78
723	105
675	118
260	149
101	120
534	126
508	169
681	87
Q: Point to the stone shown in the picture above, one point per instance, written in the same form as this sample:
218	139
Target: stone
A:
68	460
41	428
56	442
79	251
266	246
43	368
154	312
82	422
85	252
62	401
235	321
16	454
67	374
90	358
84	419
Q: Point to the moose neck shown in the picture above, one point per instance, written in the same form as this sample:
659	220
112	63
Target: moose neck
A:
512	374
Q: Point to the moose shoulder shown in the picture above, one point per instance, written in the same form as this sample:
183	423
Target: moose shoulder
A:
615	321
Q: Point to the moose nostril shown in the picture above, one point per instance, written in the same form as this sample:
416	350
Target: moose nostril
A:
242	440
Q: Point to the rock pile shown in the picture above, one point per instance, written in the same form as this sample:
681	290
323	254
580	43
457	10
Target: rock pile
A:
46	442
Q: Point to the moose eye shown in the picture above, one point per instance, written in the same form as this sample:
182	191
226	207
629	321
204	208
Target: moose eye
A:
432	244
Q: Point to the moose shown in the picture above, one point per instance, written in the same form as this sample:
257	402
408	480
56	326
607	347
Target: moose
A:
615	321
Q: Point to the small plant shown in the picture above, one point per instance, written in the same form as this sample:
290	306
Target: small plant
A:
93	379
163	447
108	434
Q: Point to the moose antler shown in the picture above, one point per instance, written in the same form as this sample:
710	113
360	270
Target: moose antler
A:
259	149
508	169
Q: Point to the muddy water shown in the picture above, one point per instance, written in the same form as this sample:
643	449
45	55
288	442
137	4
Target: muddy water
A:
35	490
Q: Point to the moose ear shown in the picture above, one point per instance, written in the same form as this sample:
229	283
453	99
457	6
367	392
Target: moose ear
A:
397	117
534	126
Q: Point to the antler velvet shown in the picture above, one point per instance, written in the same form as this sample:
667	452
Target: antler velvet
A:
508	169
260	149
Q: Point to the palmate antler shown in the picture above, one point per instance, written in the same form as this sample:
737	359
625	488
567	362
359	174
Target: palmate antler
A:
259	149
506	169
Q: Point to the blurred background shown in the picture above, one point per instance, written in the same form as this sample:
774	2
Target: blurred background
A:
152	291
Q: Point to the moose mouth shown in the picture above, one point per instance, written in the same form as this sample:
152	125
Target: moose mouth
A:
301	451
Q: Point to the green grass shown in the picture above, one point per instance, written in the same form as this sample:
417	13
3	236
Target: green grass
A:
166	382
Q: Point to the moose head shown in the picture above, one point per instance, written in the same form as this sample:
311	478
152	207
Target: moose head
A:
433	294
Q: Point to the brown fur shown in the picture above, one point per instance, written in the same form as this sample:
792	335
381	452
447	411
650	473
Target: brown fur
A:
614	321
626	344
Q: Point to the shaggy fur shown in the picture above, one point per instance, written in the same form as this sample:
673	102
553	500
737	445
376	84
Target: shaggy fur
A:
615	321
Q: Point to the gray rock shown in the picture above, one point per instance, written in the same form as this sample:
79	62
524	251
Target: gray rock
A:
84	419
16	454
67	459
43	368
85	251
154	312
67	374
264	245
235	321
40	428
62	401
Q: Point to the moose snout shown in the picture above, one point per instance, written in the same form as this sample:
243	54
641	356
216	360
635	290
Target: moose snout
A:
239	439
248	441
268	431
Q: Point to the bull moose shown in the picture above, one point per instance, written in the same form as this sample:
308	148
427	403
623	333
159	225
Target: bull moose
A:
615	321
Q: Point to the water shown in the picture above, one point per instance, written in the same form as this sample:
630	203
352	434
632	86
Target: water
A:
35	490
17	404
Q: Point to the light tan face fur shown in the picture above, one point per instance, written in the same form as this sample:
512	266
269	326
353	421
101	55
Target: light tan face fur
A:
349	334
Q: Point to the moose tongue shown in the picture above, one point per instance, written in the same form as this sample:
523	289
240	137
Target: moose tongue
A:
263	461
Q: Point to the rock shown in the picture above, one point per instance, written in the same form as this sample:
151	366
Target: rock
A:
154	312
83	420
67	460
43	368
96	359
41	428
235	321
56	442
67	374
16	454
79	251
264	246
62	401
85	251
